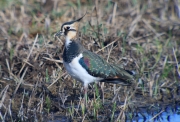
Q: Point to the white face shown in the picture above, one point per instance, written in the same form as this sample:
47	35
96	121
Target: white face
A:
69	31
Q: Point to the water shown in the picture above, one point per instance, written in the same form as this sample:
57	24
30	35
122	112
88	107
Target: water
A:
144	114
167	114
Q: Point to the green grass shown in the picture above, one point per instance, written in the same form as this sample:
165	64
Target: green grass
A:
83	106
71	110
48	104
11	53
47	75
113	110
97	104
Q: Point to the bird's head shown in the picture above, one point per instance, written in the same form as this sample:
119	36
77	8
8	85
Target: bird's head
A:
69	29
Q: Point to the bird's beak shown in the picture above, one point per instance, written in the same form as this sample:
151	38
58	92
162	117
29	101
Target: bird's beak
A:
60	33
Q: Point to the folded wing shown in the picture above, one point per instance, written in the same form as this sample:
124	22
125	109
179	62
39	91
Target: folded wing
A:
98	67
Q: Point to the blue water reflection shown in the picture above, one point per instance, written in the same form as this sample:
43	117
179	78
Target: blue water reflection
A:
167	114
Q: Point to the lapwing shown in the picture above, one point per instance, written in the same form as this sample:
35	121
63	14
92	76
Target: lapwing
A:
86	66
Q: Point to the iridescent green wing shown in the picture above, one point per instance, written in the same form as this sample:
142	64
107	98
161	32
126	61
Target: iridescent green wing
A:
98	67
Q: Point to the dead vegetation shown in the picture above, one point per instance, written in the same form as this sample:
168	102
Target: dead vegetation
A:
143	36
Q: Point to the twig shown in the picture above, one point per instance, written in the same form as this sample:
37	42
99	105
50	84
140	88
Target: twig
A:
109	52
155	116
116	94
9	109
152	29
134	24
114	13
84	117
20	82
108	45
4	95
50	59
32	96
28	55
21	112
176	61
55	61
58	39
97	16
123	109
7	63
28	63
10	73
56	80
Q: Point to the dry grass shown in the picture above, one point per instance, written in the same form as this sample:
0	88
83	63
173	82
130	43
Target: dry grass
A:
143	36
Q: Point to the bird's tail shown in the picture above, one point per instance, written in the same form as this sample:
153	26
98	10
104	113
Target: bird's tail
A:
117	81
127	80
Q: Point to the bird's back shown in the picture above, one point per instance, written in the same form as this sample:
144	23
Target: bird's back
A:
98	67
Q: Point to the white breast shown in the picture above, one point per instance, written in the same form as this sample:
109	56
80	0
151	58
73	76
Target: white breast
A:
78	72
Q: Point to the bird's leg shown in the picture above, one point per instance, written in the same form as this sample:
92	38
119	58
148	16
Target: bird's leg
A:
102	88
85	95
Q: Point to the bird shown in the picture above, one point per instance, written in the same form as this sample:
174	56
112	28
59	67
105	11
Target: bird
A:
86	66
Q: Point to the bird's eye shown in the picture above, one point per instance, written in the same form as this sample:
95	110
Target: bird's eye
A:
67	27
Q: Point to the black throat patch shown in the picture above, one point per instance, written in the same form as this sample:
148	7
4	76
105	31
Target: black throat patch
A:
72	51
